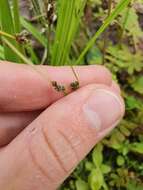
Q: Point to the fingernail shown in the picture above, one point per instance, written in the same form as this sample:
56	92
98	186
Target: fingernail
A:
103	109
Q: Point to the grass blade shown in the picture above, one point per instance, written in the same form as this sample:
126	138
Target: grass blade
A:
10	24
7	26
16	16
25	59
17	52
28	26
118	9
1	52
17	24
69	15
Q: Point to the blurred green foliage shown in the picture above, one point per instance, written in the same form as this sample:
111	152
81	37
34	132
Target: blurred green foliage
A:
116	163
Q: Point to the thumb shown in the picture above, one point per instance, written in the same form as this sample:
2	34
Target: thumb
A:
48	150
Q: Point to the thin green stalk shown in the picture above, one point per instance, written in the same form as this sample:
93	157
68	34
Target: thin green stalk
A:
62	12
44	57
17	52
32	54
17	24
75	74
27	61
10	24
108	20
69	16
48	53
68	20
109	7
2	33
1	52
16	16
7	26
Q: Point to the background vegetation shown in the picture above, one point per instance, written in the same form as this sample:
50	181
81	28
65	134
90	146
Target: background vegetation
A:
105	32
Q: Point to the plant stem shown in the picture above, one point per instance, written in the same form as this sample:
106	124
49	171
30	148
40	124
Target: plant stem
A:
2	33
15	50
16	14
23	58
17	24
108	20
69	16
109	7
75	74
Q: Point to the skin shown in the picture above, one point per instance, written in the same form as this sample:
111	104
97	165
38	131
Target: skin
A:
44	135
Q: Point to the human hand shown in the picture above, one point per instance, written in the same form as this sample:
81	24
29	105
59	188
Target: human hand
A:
55	140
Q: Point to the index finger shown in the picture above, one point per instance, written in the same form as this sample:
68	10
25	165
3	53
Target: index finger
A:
24	89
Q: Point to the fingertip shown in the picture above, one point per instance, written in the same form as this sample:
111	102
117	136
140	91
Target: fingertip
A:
88	74
115	87
30	88
103	74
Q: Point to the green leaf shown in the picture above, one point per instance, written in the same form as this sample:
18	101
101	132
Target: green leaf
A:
124	130
17	52
120	160
96	180
131	62
114	143
137	147
133	185
16	16
89	165
105	169
97	155
69	16
133	27
7	25
118	135
138	85
133	103
81	185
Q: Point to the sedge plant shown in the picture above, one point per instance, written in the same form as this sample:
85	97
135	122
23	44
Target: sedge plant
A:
60	21
57	47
